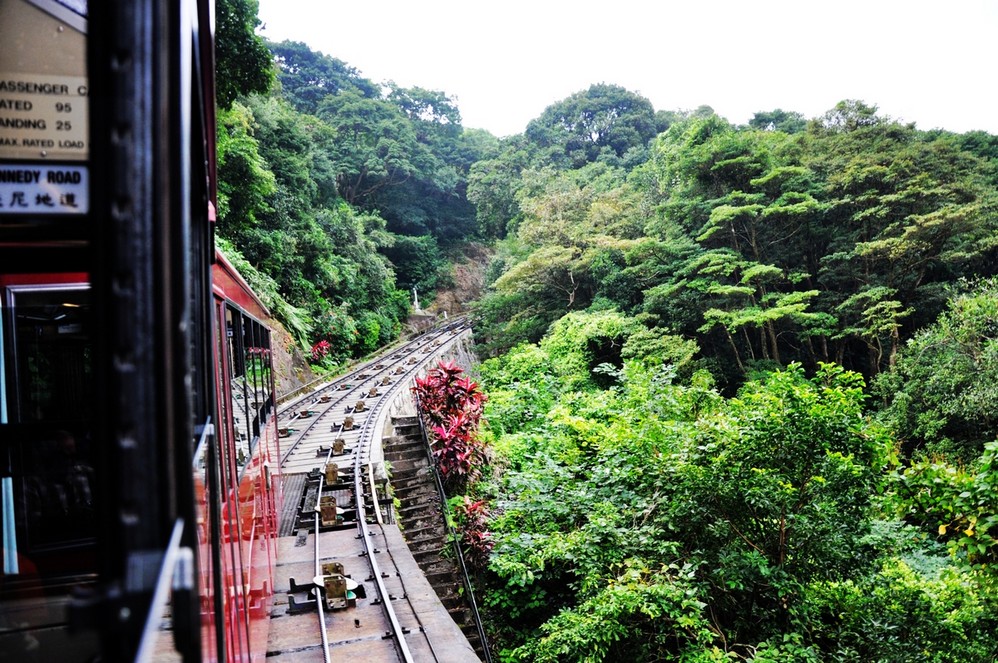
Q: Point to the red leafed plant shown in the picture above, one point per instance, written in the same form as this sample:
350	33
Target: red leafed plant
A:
452	406
476	541
320	350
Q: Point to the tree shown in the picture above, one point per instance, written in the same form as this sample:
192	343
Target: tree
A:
554	275
911	215
245	183
870	217
418	263
432	111
375	145
654	521
942	394
789	122
492	187
849	115
307	76
605	120
243	62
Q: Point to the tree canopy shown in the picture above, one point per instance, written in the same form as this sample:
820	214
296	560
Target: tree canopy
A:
242	61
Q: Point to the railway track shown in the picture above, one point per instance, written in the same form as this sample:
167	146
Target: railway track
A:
346	586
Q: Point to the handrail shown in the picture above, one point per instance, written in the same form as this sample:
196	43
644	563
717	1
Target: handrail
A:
177	565
455	542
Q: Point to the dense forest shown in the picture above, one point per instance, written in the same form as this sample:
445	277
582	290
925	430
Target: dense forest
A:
739	389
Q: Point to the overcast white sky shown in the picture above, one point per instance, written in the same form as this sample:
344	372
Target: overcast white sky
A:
932	62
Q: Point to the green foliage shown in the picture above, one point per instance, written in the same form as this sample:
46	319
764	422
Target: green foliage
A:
639	613
308	76
942	394
418	263
242	61
276	208
959	505
404	155
897	614
849	115
580	342
245	183
492	187
601	491
601	123
788	122
867	219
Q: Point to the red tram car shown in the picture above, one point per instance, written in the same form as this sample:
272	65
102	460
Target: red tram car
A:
139	459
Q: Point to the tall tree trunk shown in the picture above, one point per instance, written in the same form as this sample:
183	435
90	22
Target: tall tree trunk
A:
775	348
734	348
895	342
748	342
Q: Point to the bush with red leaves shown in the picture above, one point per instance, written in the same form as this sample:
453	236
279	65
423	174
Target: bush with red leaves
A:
452	404
472	517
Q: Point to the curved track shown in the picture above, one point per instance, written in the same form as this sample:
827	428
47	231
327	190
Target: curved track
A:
347	584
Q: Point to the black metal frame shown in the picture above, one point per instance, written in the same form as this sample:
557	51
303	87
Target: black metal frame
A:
151	281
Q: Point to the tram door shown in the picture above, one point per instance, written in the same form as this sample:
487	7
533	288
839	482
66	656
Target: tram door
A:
231	574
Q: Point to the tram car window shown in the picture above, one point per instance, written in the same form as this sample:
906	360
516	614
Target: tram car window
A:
50	343
48	485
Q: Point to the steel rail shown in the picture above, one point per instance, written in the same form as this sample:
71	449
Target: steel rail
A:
362	450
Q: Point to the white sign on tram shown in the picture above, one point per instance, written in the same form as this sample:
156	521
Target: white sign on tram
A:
43	189
43	117
44	108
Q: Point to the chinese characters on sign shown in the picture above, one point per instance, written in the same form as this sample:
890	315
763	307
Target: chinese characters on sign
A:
43	118
44	110
42	189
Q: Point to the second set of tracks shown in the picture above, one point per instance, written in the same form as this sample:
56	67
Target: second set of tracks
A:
339	590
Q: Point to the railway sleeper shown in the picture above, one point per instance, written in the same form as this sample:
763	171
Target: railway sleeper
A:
345	478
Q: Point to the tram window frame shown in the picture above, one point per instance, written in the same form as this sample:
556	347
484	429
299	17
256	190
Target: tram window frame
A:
12	381
251	347
242	443
49	466
224	402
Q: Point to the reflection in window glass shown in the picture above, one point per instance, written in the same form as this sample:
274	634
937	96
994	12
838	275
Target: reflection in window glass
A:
53	355
242	415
